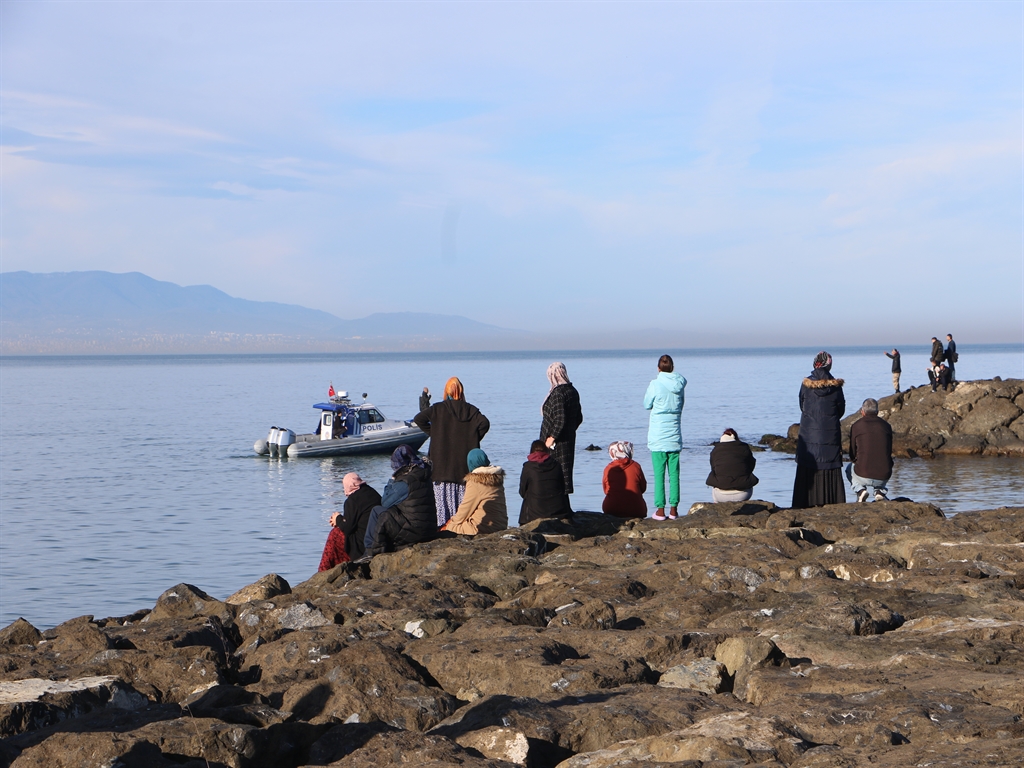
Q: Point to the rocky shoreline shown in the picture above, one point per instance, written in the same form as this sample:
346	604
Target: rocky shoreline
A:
976	418
875	634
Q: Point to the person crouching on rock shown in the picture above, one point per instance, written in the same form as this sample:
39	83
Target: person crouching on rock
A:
870	453
412	519
732	475
483	508
542	486
624	483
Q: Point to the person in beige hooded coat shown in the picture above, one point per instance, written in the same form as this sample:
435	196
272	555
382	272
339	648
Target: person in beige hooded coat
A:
483	508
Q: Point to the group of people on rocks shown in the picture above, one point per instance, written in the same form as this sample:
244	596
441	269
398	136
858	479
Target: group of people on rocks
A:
456	490
939	373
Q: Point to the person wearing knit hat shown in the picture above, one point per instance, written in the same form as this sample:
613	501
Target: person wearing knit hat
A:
483	508
562	416
819	446
348	529
624	483
732	475
455	428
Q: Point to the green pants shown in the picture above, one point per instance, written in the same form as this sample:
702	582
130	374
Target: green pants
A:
661	459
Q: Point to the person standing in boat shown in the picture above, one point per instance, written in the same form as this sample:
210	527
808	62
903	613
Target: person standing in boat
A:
425	399
664	399
819	446
562	417
455	428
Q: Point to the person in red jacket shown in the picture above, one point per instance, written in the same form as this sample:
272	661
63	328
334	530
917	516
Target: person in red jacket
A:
624	483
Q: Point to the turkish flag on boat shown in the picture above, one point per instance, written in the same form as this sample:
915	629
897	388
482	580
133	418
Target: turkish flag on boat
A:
330	392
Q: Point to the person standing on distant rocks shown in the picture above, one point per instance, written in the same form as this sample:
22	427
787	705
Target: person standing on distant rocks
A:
951	356
562	416
664	399
938	355
425	399
455	428
896	369
870	453
819	447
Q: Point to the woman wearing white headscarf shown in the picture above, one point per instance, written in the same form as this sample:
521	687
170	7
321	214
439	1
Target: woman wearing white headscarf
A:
624	483
562	417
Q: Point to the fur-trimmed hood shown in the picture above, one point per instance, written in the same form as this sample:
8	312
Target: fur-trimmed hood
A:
823	383
492	476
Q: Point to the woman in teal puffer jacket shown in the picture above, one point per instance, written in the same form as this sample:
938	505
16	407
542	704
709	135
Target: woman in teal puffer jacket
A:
664	399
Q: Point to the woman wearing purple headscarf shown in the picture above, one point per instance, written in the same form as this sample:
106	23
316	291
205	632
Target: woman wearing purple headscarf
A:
562	417
819	447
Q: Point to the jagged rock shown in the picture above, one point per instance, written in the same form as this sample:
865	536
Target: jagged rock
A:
849	635
269	586
356	746
368	682
19	632
704	675
185	602
27	705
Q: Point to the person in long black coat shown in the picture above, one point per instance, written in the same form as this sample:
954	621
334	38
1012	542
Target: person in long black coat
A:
413	519
542	486
360	500
455	428
562	417
819	447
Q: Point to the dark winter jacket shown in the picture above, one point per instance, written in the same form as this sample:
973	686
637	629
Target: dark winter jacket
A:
455	428
951	357
413	519
895	366
822	404
424	401
937	354
394	492
543	490
356	516
732	466
562	417
871	447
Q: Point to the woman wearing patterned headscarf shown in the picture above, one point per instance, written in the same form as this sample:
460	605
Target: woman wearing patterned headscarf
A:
455	428
562	417
819	447
624	483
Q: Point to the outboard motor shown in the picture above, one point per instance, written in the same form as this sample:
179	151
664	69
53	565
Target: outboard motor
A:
285	437
272	440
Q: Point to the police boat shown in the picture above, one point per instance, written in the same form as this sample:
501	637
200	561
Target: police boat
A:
345	429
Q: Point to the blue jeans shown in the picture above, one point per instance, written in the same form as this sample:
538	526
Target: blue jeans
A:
859	483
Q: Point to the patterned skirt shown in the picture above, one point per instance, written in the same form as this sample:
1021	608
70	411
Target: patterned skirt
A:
447	497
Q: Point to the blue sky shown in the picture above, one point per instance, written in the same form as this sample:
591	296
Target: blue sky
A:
730	173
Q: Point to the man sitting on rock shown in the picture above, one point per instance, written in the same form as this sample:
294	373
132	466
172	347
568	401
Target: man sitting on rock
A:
870	453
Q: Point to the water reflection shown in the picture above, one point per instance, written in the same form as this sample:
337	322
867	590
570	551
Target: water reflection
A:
961	483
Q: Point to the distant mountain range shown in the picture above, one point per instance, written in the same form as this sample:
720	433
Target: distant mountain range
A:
103	312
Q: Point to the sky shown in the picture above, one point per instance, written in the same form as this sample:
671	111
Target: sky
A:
731	173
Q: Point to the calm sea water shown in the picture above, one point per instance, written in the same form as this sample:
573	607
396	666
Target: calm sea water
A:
122	476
